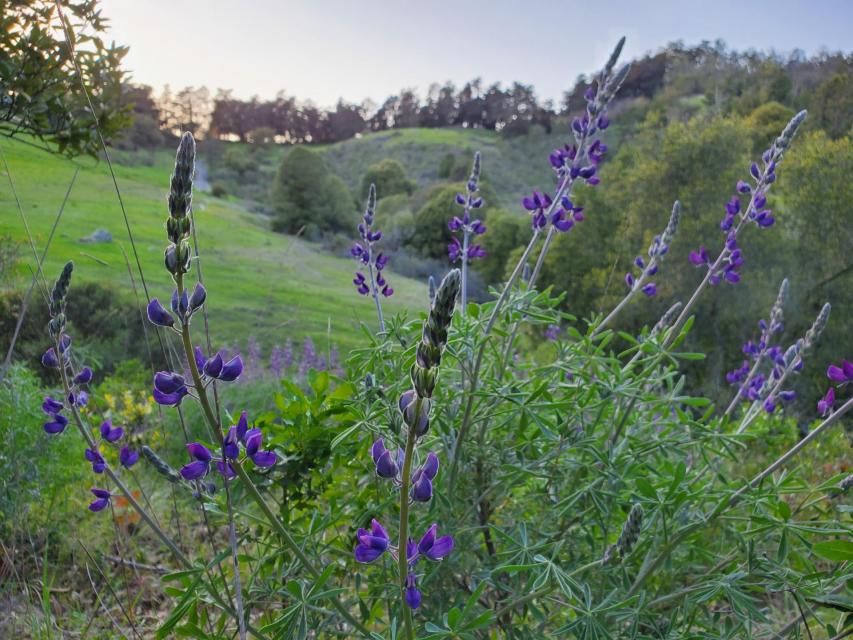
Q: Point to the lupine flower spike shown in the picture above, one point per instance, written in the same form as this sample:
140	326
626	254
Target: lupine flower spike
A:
749	377
767	391
466	251
396	464
644	269
730	260
374	282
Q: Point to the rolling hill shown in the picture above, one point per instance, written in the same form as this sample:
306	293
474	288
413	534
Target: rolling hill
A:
260	283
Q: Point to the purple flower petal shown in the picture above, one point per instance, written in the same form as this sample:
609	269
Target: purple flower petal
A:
367	554
195	470
265	458
199	451
836	374
128	457
232	369
158	314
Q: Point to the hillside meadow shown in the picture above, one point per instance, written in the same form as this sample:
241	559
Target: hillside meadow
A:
268	285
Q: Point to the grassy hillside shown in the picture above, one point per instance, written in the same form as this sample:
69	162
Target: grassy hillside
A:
513	166
260	283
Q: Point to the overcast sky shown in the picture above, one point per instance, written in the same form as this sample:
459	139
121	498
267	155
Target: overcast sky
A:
325	49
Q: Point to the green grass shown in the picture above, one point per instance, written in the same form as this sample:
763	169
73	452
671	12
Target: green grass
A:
259	283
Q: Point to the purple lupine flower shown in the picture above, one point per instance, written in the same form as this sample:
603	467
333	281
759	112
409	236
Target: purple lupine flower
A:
434	548
730	258
700	257
231	444
199	295
169	399
825	404
199	467
84	377
423	477
49	359
536	204
254	439
110	433
413	595
364	252
127	457
102	499
217	368
94	456
387	465
57	422
552	332
843	373
159	315
650	289
371	544
468	225
168	382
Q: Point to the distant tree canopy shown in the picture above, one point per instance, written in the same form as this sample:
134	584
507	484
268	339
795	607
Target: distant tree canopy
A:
733	82
389	176
308	198
40	92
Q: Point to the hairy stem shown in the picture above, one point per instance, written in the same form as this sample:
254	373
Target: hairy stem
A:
402	547
472	386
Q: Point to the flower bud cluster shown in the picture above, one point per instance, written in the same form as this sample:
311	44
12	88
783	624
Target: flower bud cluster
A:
364	252
628	537
178	253
468	201
414	406
762	178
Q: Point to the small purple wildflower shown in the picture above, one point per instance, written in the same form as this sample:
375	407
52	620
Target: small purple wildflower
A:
102	499
365	252
469	201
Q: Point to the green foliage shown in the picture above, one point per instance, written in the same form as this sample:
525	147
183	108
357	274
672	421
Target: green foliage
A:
832	105
35	473
40	86
259	277
308	198
766	122
504	233
390	179
431	235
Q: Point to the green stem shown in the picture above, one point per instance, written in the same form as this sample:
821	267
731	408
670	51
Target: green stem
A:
472	387
146	517
402	546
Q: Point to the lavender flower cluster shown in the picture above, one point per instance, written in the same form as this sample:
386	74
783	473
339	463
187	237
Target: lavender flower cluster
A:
730	259
469	201
59	357
657	250
414	406
840	375
579	161
364	251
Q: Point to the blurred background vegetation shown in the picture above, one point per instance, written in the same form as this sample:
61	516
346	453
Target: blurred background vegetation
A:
279	187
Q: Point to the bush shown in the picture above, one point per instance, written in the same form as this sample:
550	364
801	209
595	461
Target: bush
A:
390	179
218	190
307	197
431	235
